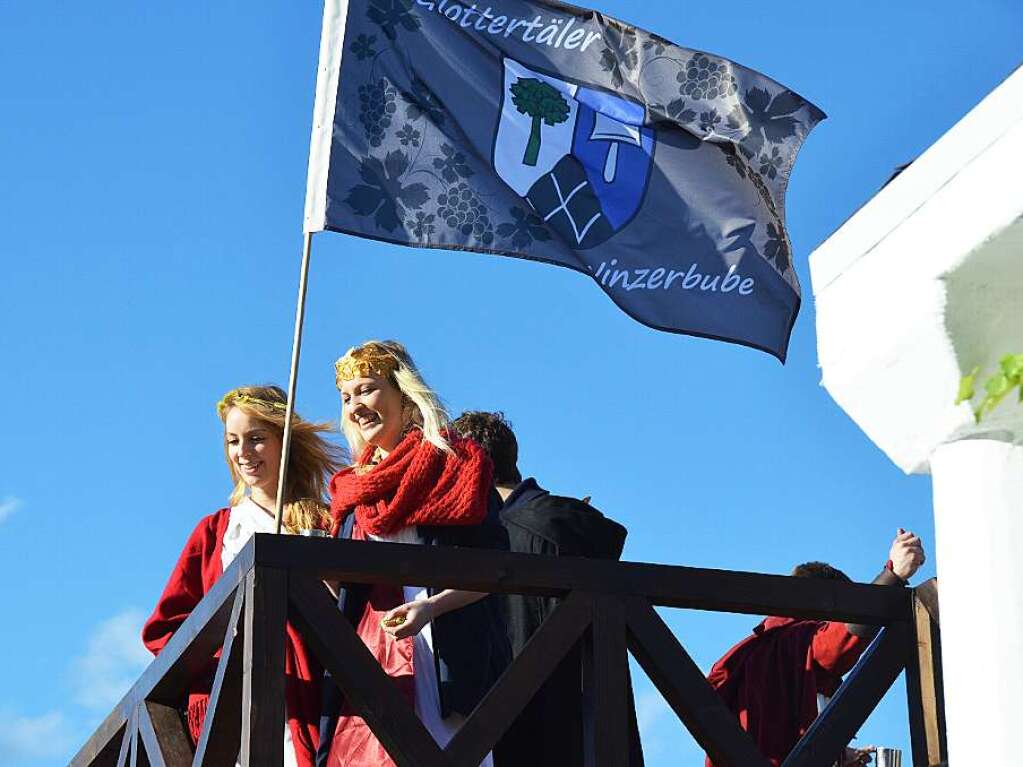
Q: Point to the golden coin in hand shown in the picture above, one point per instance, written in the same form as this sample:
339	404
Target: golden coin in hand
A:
396	620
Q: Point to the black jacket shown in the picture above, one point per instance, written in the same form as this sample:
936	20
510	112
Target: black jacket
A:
540	523
549	732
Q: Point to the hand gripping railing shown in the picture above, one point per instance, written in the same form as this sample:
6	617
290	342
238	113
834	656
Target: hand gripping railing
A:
608	606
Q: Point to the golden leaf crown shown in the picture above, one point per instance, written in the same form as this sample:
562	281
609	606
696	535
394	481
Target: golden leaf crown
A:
363	362
237	397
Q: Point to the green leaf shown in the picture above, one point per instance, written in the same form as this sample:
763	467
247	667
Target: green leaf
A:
997	385
1009	376
966	386
1012	366
986	406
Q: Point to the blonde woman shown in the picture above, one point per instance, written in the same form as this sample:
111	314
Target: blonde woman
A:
253	418
413	482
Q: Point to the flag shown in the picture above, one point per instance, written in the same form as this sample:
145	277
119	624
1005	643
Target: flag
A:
554	133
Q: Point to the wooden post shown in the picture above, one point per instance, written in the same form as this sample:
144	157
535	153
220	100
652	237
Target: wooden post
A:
266	615
296	351
605	687
924	688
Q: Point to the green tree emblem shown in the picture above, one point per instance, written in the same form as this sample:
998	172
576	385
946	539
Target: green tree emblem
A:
541	102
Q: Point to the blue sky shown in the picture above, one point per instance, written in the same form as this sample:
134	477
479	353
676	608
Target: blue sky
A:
154	161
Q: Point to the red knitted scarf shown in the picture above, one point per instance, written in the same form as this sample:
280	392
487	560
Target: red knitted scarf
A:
416	484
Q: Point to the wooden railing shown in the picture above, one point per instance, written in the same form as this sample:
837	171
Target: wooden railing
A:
607	606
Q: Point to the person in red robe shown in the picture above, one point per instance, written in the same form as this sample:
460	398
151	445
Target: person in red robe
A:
253	419
777	680
415	482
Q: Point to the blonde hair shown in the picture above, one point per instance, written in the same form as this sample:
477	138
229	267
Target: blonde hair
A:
306	514
312	460
393	359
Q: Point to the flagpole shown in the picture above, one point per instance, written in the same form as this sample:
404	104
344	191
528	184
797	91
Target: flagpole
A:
296	350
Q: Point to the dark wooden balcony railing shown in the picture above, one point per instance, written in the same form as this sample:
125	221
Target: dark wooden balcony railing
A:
608	606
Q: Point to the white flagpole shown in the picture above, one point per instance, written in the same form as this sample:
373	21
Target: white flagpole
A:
331	44
296	350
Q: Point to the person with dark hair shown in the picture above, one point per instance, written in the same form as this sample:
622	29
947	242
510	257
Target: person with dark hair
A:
538	522
494	434
777	680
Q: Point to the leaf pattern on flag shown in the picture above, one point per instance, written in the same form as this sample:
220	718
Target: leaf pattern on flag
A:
709	120
382	195
777	248
770	118
409	136
422	226
363	46
389	15
770	162
620	56
676	111
523	229
421	102
452	166
657	44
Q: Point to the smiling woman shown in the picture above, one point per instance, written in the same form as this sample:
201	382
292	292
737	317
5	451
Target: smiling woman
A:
253	418
414	482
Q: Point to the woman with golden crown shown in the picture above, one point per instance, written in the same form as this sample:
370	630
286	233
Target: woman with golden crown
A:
413	482
253	418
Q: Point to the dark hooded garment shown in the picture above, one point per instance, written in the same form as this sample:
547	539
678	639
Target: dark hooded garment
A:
549	731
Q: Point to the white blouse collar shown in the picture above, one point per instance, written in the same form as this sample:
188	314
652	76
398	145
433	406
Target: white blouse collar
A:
246	519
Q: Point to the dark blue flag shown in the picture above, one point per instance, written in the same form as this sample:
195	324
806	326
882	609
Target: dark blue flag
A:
555	133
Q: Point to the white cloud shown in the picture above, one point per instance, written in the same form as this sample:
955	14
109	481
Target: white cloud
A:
111	662
28	738
114	658
8	506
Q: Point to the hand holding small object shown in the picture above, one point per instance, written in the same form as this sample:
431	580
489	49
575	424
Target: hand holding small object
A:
408	619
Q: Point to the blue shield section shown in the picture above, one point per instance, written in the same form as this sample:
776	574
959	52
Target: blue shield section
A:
616	151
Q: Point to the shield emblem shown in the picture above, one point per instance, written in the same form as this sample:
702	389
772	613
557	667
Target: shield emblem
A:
580	156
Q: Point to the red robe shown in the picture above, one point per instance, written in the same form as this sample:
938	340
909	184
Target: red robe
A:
198	568
770	680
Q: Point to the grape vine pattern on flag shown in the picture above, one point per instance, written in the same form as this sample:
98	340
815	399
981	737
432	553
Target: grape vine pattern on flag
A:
554	133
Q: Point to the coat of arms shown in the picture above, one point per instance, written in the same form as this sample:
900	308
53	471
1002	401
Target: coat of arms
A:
580	156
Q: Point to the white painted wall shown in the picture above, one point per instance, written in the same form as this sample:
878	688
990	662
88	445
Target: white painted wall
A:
919	286
978	508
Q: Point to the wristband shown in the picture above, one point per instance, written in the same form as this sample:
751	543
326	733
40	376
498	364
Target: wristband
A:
890	566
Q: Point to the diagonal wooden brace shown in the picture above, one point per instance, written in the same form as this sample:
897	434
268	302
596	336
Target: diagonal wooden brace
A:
687	691
356	672
877	670
520	681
